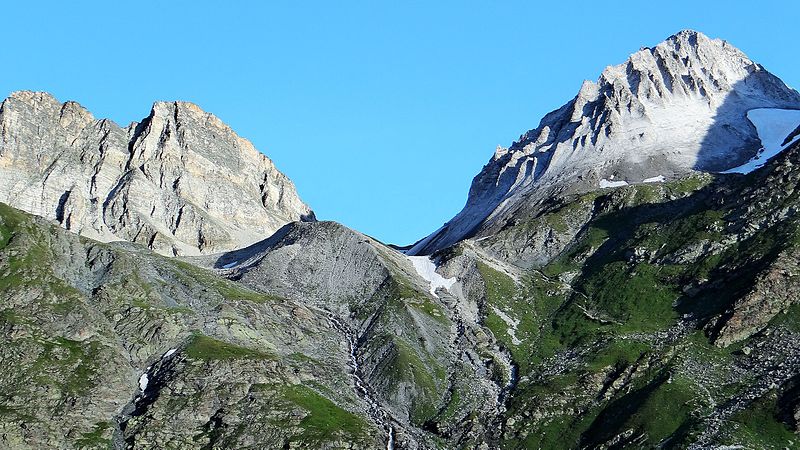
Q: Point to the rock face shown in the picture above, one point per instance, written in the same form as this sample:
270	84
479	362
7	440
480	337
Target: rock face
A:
668	110
180	182
113	346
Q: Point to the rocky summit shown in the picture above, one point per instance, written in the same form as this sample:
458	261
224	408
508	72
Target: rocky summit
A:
626	275
180	181
677	108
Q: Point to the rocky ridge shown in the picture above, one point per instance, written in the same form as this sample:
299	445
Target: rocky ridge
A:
180	181
669	110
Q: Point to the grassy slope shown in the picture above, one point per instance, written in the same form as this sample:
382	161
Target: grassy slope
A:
617	295
68	368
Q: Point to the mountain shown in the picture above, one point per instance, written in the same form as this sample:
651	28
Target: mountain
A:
669	321
180	181
670	110
585	314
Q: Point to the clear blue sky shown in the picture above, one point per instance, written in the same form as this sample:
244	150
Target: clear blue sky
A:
381	112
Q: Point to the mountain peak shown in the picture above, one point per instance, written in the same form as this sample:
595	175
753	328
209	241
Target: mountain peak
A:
163	108
180	182
668	110
688	35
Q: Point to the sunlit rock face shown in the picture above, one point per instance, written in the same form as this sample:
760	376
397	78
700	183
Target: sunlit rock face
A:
180	182
678	107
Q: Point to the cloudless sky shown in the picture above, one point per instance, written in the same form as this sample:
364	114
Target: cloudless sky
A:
381	112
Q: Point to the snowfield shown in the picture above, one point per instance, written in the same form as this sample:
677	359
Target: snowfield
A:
427	270
143	380
773	127
658	179
610	184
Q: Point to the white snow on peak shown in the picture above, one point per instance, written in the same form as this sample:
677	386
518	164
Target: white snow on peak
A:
169	353
773	127
427	270
610	184
658	179
143	380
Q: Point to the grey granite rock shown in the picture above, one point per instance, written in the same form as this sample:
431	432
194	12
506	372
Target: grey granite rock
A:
180	181
667	111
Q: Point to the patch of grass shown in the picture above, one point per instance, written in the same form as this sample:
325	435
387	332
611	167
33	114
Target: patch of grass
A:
705	225
94	439
618	353
405	366
400	290
453	406
10	220
13	317
500	288
532	302
426	377
790	318
574	257
226	288
563	431
758	427
205	348
325	420
558	219
640	296
690	184
655	412
67	366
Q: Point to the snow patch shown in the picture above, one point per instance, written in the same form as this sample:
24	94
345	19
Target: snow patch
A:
512	324
427	270
610	184
658	179
230	265
169	353
773	127
143	380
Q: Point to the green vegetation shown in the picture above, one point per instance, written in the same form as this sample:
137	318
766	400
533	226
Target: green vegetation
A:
67	365
620	298
692	183
427	377
655	412
559	218
400	292
224	287
758	427
453	406
325	421
94	439
10	220
618	353
533	302
205	348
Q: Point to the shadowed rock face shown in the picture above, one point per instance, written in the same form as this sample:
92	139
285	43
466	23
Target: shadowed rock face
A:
668	110
181	181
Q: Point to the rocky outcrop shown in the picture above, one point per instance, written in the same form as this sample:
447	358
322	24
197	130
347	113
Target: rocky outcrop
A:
668	110
180	182
110	345
412	348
